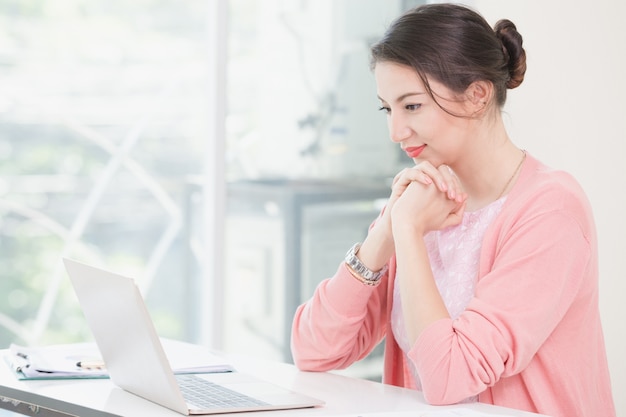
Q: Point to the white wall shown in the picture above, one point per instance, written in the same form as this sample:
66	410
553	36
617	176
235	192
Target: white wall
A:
570	112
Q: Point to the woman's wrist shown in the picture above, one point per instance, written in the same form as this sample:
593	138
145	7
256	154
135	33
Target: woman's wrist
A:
376	250
360	271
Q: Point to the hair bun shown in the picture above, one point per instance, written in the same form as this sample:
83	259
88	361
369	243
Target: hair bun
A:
514	54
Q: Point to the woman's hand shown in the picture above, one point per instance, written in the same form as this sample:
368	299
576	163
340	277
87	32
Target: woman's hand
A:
425	198
434	199
425	173
382	231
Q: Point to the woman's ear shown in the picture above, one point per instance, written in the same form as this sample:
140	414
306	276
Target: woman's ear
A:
479	95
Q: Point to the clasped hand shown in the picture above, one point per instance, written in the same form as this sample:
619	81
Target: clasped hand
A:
425	198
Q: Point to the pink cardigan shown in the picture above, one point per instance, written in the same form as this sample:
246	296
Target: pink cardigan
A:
530	339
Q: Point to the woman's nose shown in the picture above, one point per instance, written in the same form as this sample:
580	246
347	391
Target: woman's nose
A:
398	129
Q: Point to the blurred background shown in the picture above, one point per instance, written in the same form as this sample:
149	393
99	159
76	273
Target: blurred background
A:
114	117
227	153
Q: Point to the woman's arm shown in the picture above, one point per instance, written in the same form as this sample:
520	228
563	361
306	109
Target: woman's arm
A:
341	324
420	209
346	319
537	273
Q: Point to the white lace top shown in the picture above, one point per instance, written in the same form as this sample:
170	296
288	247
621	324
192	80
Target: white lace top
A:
453	254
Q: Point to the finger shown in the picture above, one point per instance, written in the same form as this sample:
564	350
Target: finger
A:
455	217
455	188
408	175
397	177
426	173
441	177
449	178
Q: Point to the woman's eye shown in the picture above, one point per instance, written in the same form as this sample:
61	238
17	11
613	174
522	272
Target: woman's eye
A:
384	109
413	107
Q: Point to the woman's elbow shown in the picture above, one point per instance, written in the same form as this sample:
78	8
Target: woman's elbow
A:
442	397
317	361
438	398
314	365
444	391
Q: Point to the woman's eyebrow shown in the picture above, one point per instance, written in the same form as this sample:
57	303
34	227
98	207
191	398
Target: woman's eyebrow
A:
403	96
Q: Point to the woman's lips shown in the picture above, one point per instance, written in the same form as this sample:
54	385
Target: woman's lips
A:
414	151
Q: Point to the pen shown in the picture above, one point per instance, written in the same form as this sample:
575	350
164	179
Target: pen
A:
90	364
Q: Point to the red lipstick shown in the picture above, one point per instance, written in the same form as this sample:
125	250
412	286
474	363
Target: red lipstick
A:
414	151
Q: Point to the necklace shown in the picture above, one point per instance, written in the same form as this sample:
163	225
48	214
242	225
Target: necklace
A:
512	176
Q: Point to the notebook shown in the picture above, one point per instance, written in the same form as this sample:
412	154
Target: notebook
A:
136	361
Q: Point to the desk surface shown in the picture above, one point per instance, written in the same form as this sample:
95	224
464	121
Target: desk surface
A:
344	396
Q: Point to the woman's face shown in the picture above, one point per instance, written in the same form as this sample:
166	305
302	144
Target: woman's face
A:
423	129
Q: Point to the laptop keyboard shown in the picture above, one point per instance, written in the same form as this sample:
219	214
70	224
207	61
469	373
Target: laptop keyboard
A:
208	395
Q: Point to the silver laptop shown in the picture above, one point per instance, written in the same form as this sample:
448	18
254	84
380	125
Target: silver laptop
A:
137	363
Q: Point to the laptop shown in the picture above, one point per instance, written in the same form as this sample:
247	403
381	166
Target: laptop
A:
136	361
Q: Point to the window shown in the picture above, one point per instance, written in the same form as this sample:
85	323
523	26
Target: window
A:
103	121
104	131
308	158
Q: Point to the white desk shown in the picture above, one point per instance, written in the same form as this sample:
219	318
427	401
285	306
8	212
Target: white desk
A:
344	396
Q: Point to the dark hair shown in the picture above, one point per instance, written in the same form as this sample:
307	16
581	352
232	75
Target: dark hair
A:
455	46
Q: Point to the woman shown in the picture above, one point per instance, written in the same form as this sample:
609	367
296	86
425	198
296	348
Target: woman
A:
481	273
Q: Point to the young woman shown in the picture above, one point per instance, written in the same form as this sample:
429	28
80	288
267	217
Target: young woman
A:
481	273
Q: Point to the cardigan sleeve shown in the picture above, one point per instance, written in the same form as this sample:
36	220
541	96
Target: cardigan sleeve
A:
342	323
536	270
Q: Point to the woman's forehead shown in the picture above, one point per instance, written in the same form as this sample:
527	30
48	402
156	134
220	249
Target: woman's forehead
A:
395	81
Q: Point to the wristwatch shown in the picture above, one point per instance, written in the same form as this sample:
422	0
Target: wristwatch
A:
355	264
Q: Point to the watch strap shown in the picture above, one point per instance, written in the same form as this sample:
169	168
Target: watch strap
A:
359	270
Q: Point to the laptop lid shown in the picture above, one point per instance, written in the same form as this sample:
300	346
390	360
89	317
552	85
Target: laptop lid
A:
130	346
